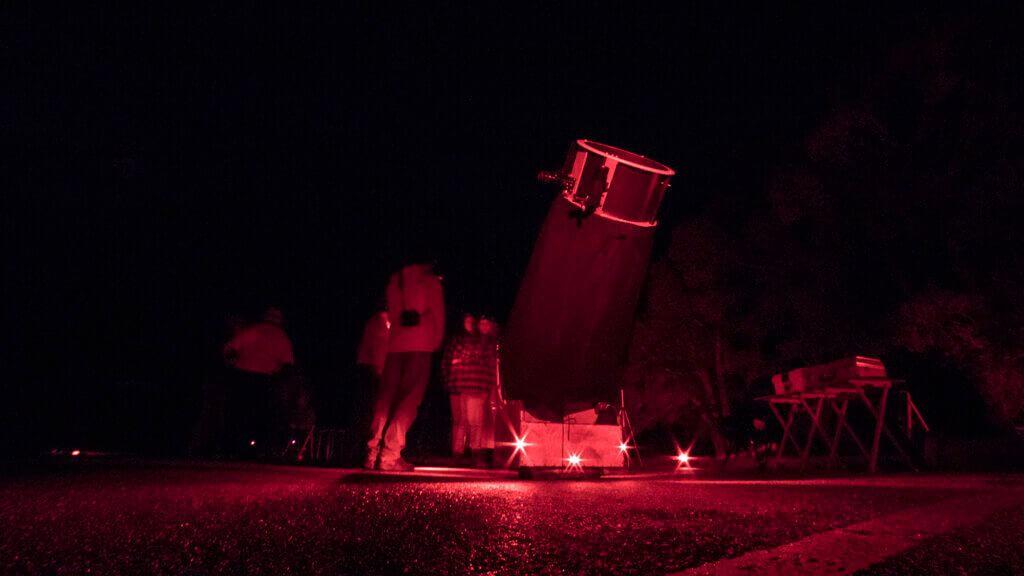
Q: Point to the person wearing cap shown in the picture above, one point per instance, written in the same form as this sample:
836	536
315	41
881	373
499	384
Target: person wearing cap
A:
258	354
415	303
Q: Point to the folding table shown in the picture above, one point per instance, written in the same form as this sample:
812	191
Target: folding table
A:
837	399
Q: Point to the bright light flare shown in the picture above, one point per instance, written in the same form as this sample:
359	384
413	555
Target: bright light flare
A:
623	447
520	445
574	461
683	455
76	452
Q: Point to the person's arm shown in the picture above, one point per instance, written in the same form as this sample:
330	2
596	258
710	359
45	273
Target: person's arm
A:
380	344
393	296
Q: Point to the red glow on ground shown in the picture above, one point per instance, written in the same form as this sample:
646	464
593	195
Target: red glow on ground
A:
442	472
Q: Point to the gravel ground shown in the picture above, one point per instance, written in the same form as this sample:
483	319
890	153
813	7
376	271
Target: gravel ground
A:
179	519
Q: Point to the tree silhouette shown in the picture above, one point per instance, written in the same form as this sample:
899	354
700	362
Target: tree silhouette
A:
894	227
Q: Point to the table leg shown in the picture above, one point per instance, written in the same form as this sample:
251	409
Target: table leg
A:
787	424
879	424
815	427
840	421
881	427
856	439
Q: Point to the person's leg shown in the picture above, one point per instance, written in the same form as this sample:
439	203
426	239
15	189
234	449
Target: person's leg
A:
386	391
487	434
249	396
276	405
458	424
206	433
475	419
224	415
263	424
357	413
253	396
414	378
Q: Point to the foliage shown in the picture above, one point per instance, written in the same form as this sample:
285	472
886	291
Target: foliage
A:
894	226
964	330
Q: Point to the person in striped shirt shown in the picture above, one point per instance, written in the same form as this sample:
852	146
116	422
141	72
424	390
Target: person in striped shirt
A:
468	370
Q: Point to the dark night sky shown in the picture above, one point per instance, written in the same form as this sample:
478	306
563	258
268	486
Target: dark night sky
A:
162	170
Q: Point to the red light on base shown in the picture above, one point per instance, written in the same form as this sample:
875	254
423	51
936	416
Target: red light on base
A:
683	458
520	444
574	462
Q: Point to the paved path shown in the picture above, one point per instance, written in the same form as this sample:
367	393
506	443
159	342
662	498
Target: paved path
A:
856	547
187	518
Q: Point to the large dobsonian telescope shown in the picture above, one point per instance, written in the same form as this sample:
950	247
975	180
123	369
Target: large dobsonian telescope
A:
566	341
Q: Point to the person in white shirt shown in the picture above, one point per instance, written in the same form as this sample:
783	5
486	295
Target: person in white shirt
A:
416	312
